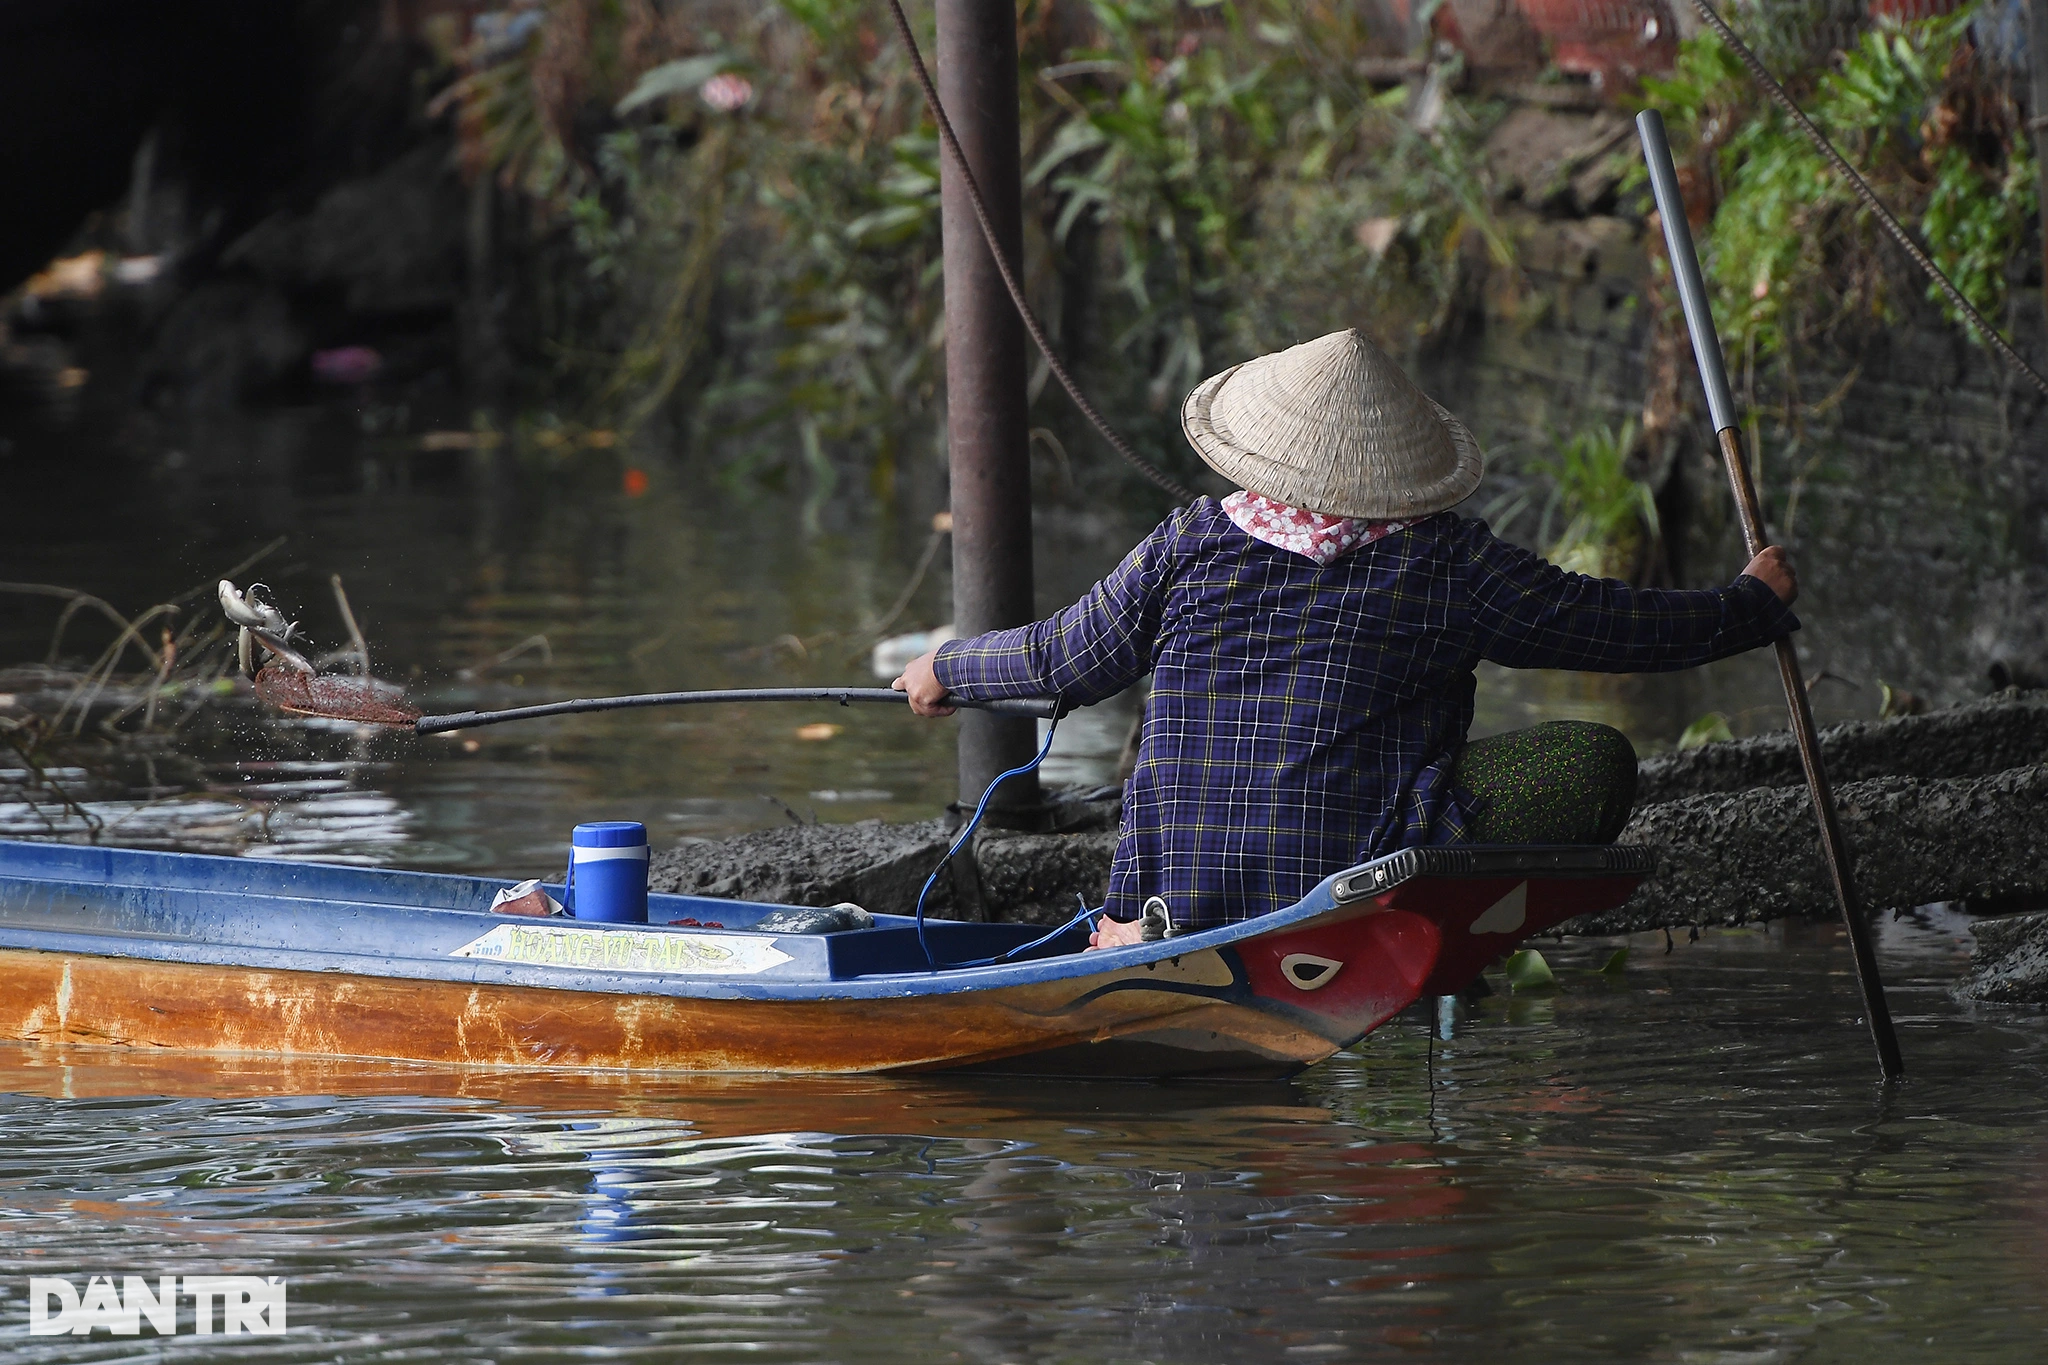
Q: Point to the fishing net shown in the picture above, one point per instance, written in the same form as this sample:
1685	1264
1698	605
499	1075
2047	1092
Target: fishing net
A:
334	696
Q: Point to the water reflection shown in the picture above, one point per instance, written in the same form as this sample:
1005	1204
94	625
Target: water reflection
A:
492	578
499	576
1692	1162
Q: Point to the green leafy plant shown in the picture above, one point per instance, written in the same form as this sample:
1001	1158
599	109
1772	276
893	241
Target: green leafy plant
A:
1789	251
1528	973
1712	728
1207	179
763	270
1609	517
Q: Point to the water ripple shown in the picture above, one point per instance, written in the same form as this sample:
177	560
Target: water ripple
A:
1690	1165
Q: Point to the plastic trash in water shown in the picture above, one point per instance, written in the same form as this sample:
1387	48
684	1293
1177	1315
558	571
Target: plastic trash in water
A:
894	654
134	270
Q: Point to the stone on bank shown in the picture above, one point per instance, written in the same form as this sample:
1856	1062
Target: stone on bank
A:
1947	806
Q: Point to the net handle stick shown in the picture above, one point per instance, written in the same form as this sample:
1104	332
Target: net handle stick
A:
1039	708
1706	345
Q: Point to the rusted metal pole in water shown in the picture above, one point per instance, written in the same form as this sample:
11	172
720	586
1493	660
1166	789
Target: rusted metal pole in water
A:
987	422
1706	345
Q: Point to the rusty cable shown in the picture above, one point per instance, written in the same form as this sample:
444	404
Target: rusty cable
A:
1892	226
1010	282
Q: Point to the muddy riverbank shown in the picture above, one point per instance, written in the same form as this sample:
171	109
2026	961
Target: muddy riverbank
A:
1946	806
2010	963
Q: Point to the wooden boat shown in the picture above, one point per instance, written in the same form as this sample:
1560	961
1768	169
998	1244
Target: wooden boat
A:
136	949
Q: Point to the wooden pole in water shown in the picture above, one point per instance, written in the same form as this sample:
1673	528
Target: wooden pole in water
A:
987	418
1706	345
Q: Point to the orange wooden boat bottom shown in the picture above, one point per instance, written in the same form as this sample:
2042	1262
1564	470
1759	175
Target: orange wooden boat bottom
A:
120	1002
127	949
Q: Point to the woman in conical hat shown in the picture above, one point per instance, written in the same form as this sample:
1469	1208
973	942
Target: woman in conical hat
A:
1312	640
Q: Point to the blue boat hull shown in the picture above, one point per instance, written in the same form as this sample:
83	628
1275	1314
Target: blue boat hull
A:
128	948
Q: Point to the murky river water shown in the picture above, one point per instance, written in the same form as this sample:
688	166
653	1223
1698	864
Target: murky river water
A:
1688	1163
534	571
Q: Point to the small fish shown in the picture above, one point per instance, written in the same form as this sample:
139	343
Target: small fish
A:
286	655
252	611
260	623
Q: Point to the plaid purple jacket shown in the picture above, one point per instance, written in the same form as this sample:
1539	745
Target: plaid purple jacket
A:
1304	719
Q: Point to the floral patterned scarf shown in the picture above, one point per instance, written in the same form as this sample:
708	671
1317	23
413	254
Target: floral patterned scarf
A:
1319	537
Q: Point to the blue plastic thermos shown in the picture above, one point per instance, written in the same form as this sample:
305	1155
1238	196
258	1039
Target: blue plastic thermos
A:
608	872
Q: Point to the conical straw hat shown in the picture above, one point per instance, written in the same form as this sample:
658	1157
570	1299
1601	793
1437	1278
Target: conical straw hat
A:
1333	426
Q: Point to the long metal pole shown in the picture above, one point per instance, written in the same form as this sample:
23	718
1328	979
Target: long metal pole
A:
987	422
1706	345
1044	708
2037	106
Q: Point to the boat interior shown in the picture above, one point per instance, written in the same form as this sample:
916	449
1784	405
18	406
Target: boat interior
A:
127	894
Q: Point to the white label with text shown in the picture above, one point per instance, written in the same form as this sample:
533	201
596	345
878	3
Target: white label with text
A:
625	950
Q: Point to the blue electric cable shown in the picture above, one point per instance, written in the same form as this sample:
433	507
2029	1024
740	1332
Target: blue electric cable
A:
968	833
1080	917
